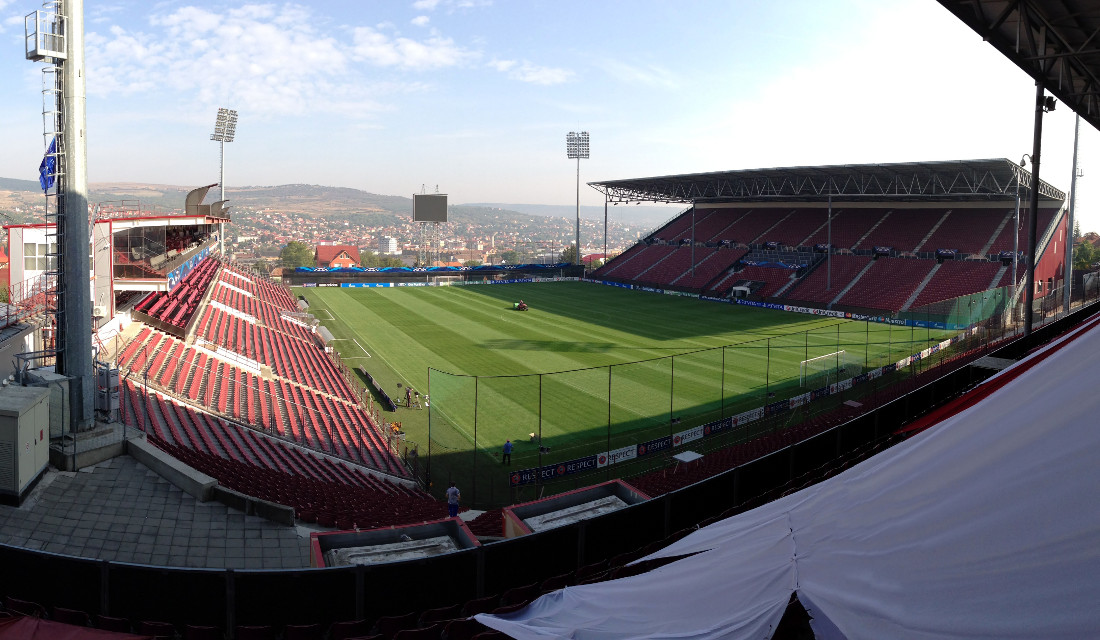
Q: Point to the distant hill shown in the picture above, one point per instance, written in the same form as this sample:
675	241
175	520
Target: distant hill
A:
627	214
11	184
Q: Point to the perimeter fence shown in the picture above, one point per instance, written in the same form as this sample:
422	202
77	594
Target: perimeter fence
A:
573	428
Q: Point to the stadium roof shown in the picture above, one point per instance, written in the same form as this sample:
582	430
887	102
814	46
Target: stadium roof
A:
995	179
1057	42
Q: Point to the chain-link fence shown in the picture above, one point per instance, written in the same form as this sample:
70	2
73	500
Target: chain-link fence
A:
556	419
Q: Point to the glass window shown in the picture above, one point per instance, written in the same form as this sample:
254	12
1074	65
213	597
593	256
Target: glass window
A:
42	264
30	249
29	263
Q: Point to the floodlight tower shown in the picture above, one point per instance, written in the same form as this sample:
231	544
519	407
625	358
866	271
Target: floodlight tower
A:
55	35
225	128
576	146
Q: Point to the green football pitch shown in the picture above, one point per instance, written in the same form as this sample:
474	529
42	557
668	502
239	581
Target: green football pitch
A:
588	368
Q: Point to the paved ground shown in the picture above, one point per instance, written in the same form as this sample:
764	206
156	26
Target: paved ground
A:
120	510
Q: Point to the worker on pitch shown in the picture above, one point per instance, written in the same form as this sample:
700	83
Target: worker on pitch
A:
506	458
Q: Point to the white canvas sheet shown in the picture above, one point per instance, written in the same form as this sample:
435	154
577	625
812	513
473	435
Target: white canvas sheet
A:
987	525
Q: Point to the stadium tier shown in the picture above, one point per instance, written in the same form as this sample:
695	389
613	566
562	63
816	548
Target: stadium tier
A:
251	361
861	235
319	488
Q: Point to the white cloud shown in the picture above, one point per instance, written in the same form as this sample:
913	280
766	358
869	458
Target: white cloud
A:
451	5
420	21
261	59
434	53
648	75
535	74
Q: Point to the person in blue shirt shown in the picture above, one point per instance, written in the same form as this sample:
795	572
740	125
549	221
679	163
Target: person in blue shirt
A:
507	457
453	495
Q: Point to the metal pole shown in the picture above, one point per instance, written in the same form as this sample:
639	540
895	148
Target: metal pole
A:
671	393
578	259
221	186
1033	222
609	413
75	356
605	229
767	370
693	239
1068	277
722	400
1016	238
829	248
473	482
538	472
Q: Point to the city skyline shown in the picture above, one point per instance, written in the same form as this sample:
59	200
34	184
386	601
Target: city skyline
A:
477	96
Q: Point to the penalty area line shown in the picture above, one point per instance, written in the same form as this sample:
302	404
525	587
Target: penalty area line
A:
361	347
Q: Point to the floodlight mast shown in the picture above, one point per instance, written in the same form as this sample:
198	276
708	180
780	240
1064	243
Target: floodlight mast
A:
225	128
576	146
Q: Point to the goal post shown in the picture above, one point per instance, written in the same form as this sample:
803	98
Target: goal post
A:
827	369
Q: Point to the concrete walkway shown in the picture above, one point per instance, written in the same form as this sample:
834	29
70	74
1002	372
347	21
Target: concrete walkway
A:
120	510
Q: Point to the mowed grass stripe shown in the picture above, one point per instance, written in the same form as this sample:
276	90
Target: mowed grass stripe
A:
473	330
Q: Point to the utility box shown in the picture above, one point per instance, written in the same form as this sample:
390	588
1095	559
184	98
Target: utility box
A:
24	440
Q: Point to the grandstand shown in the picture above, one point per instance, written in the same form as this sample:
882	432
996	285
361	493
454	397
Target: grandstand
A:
887	255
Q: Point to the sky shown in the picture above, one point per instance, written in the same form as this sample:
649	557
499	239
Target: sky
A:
475	97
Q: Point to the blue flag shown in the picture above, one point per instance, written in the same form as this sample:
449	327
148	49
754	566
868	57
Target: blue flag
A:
48	168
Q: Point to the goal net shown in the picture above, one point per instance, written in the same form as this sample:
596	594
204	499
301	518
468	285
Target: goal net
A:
827	369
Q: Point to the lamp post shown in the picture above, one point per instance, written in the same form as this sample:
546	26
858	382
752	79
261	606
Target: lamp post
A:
225	128
576	146
1068	268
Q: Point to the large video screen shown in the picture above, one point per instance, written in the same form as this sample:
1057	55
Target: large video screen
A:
430	207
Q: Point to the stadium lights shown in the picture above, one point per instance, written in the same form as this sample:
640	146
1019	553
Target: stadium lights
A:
225	129
576	146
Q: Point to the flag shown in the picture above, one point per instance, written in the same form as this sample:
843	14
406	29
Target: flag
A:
47	170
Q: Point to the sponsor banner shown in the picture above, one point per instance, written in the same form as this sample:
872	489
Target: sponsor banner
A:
685	437
889	368
309	284
682	294
621	454
553	471
713	299
654	446
904	362
798	401
776	407
874	373
716	427
650	289
748	416
947	343
328	284
860	379
366	284
761	305
819	393
925	353
412	284
843	385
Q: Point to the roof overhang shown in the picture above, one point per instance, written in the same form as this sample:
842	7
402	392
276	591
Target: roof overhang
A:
995	179
1056	42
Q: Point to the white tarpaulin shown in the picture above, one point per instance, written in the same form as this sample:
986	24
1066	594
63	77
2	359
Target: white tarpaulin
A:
986	525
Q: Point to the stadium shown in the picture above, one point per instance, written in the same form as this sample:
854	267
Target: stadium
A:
813	395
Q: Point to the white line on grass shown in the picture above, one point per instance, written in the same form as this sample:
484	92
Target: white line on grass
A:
361	347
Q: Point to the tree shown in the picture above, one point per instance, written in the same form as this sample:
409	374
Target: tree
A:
568	255
1076	229
509	257
472	263
372	259
1084	256
262	266
296	254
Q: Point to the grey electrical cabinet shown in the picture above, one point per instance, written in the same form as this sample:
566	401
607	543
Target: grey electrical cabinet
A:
24	439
